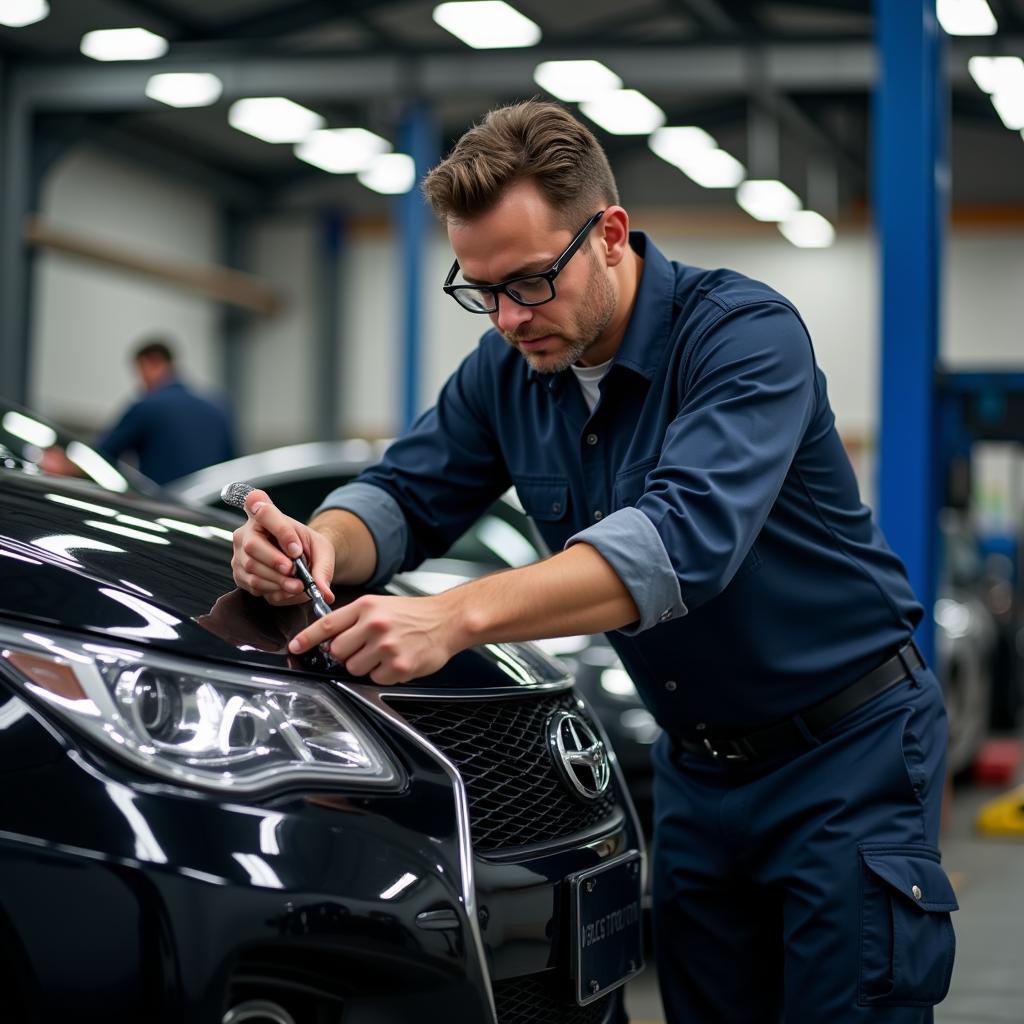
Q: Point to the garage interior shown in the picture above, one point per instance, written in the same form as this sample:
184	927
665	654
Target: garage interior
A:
305	287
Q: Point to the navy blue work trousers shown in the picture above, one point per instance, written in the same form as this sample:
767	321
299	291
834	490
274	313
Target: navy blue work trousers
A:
808	889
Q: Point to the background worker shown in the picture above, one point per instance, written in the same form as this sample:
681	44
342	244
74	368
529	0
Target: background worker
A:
171	429
668	430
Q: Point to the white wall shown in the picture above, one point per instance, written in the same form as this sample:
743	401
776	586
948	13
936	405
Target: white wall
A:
278	371
983	300
87	318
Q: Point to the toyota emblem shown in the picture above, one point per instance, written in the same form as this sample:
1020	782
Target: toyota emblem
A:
580	755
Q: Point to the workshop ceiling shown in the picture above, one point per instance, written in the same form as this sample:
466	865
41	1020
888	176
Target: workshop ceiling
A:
784	86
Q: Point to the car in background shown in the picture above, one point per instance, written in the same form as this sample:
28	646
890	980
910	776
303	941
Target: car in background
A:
297	477
197	826
33	439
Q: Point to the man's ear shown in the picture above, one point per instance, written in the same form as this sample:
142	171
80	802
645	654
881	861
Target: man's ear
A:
614	236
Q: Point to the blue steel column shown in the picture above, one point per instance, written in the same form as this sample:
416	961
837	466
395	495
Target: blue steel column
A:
910	198
418	138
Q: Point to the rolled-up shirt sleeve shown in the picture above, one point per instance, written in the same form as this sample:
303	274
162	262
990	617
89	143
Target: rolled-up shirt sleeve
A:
747	400
632	546
382	516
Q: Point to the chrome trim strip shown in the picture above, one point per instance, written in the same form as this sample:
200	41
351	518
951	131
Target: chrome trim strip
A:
612	828
402	691
373	698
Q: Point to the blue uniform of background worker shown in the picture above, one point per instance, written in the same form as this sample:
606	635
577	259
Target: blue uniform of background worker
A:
171	430
669	431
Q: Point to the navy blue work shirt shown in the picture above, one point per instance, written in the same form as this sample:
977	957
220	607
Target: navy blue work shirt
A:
172	431
709	475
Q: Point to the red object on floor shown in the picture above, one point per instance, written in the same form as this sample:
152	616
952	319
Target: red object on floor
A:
998	761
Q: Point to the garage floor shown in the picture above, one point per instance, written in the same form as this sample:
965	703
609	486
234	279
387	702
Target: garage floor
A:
988	875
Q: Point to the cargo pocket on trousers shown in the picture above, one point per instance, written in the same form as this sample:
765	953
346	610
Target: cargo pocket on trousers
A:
907	940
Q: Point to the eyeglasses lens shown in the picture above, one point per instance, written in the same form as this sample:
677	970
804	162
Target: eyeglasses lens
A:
476	300
531	291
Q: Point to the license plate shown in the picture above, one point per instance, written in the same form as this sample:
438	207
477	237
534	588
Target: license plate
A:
607	922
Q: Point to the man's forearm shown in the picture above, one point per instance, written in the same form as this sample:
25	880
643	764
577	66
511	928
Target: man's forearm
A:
575	591
354	548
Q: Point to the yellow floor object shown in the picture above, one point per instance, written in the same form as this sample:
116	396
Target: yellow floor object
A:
1003	816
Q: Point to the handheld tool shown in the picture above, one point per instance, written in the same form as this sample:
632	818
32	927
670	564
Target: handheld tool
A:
235	494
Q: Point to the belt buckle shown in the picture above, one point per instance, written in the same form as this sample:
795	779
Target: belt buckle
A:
718	755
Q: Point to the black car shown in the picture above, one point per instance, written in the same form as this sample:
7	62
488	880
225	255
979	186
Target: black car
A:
198	827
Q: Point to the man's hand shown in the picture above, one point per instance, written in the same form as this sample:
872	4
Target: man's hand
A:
389	639
395	639
265	546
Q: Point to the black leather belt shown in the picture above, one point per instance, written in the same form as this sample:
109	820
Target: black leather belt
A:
800	731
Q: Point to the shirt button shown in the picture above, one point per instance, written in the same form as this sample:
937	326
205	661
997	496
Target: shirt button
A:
556	506
916	890
598	514
591	438
670	685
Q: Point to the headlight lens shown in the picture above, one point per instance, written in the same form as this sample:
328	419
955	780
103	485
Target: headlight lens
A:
202	726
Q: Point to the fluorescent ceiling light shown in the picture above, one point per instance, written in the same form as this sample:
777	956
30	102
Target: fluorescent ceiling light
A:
123	44
966	17
576	80
198	89
391	174
487	24
697	155
715	169
1010	108
766	199
624	112
808	230
19	13
997	74
273	119
678	145
341	150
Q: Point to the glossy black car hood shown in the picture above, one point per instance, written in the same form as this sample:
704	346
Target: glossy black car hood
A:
136	569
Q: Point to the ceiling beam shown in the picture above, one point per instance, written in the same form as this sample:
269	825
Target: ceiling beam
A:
719	18
689	73
176	23
293	16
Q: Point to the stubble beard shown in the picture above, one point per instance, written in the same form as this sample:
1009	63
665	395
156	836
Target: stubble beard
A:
586	327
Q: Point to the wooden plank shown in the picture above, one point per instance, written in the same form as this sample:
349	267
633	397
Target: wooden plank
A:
232	287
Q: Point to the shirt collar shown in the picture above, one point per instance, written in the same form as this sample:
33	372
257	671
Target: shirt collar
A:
649	326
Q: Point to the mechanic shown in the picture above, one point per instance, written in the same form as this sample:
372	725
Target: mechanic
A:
670	433
170	429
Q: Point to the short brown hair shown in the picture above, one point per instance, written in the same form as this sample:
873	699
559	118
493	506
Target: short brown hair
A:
534	141
154	348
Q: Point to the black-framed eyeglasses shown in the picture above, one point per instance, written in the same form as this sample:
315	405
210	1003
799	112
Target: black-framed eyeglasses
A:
527	290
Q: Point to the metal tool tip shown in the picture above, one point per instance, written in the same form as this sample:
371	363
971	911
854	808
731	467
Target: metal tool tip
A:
234	494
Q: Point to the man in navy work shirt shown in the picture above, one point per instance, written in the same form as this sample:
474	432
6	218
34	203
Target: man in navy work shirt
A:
670	433
171	430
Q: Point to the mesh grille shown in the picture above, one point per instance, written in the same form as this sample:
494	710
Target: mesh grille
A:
536	999
516	795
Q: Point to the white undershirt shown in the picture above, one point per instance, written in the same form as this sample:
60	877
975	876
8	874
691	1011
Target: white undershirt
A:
590	377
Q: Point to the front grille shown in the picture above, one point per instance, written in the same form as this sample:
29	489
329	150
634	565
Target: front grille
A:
516	795
538	999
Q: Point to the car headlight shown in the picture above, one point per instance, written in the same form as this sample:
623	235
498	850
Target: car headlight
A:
199	725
